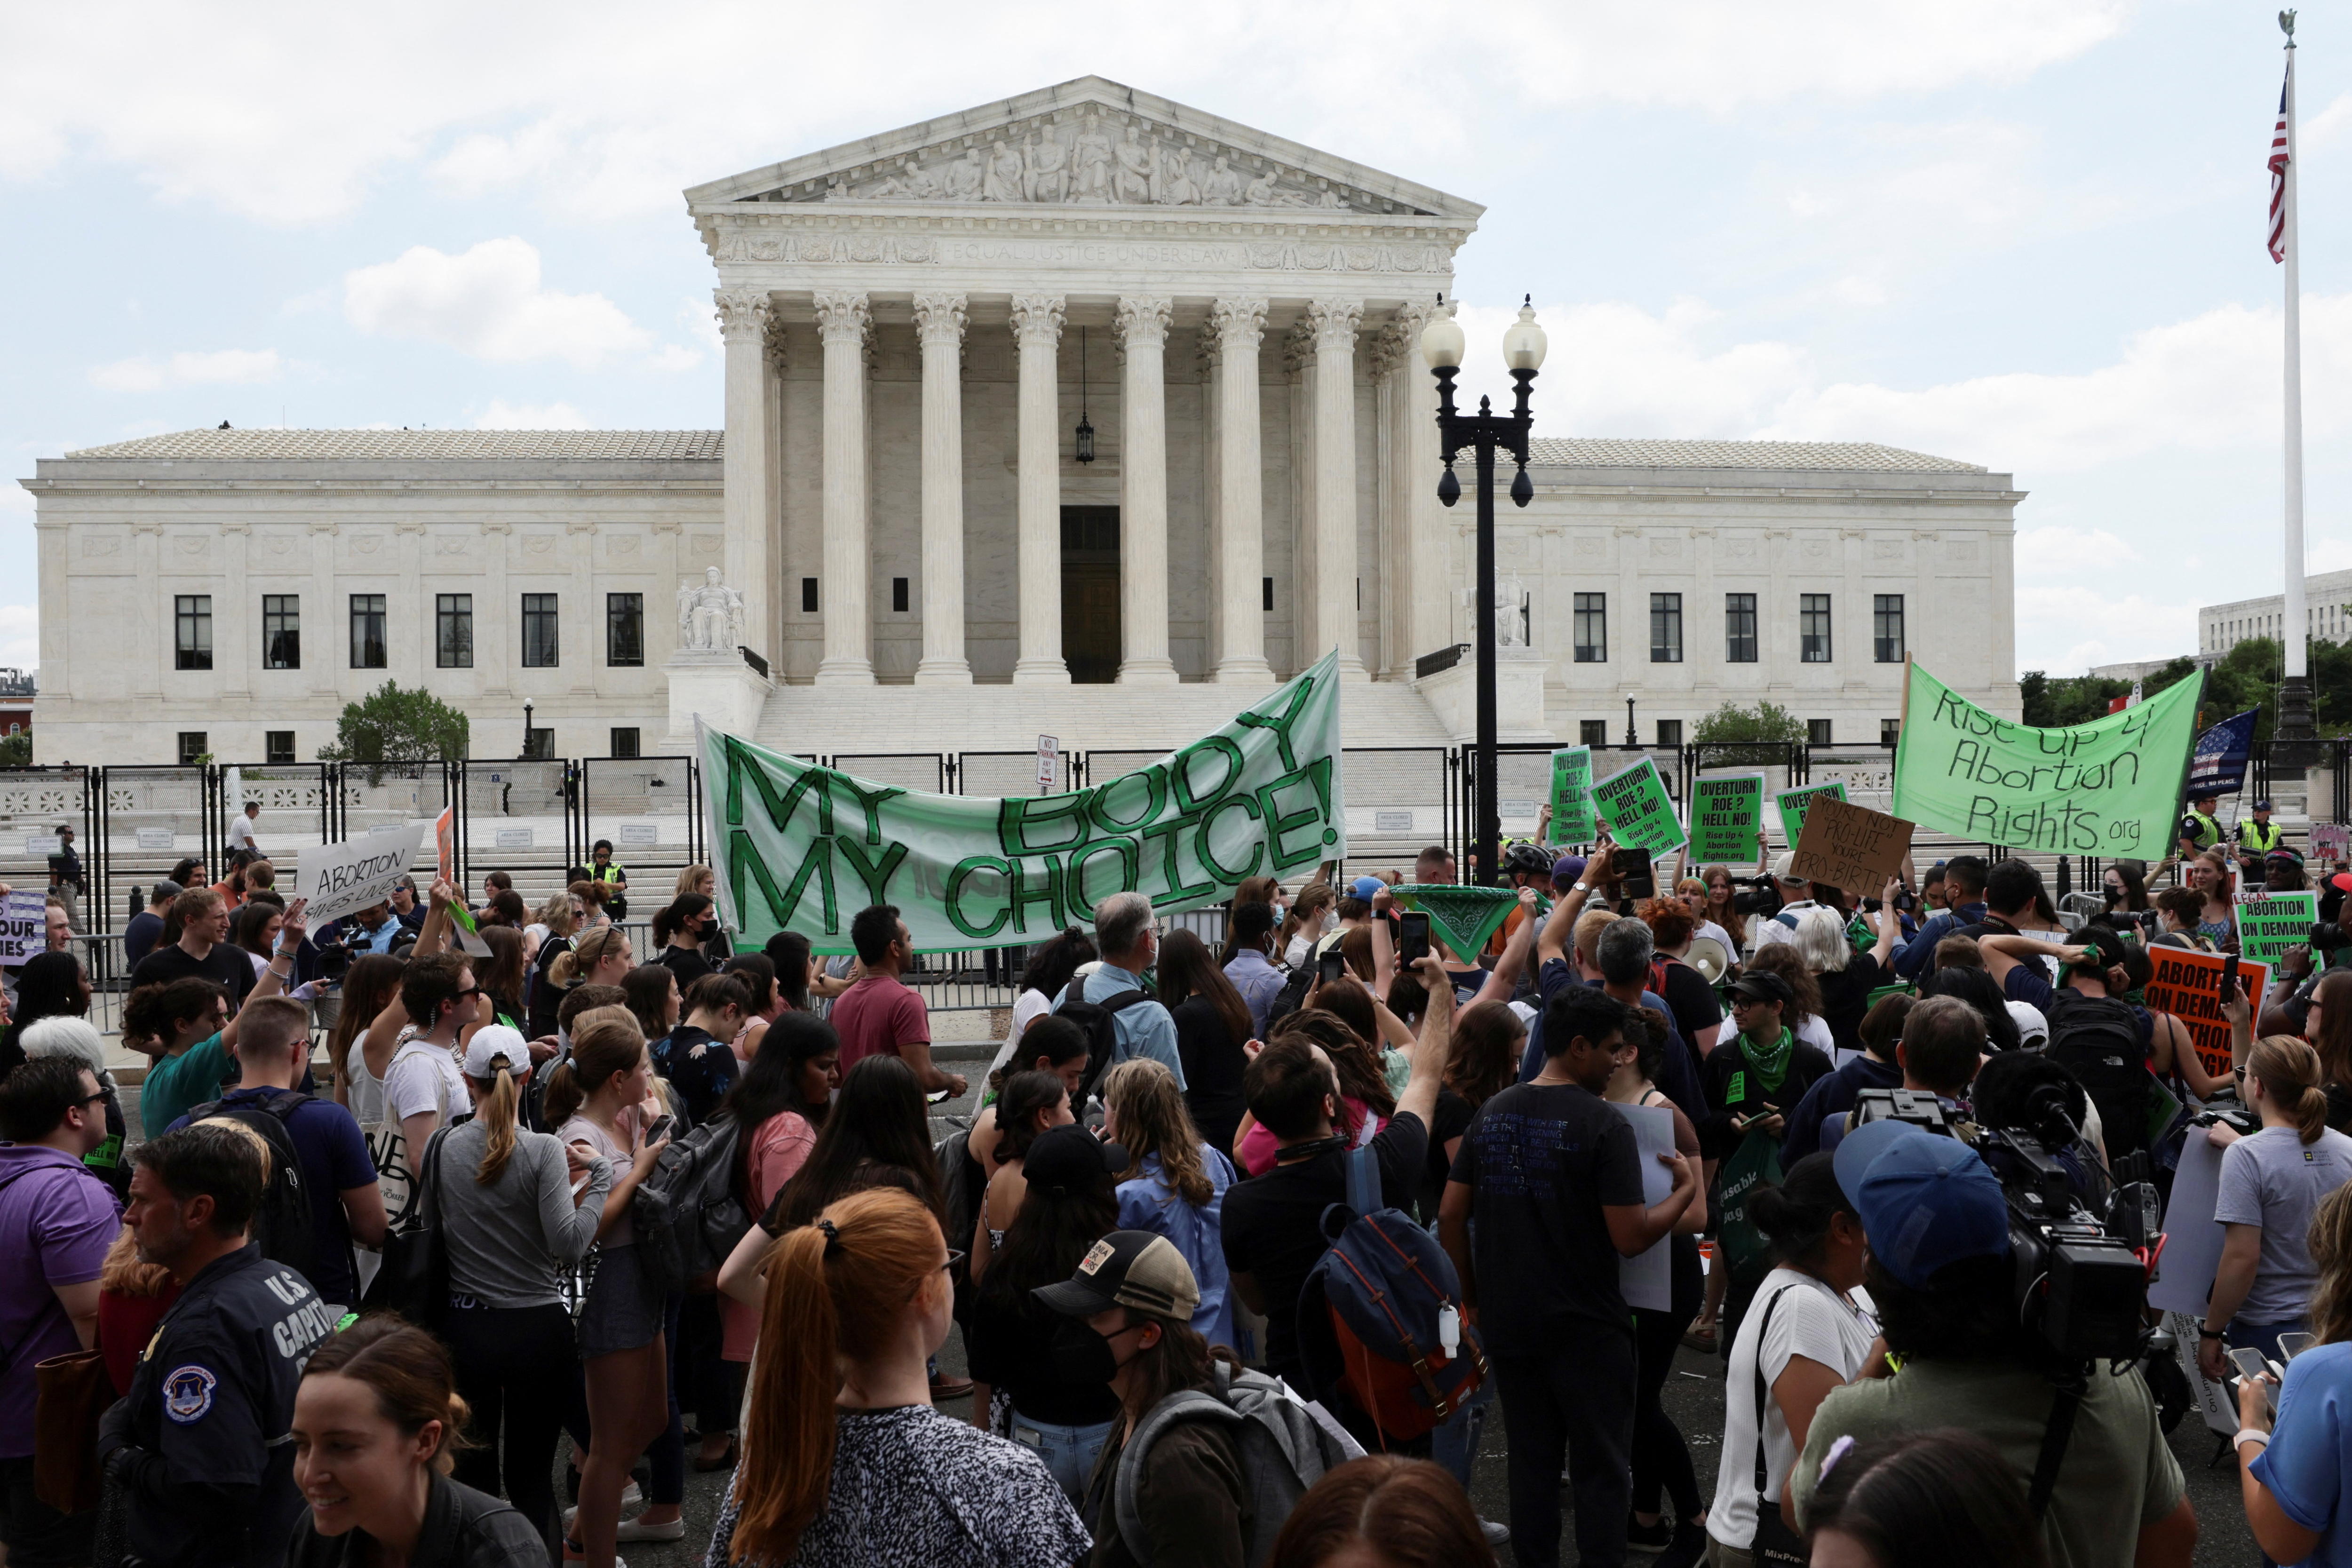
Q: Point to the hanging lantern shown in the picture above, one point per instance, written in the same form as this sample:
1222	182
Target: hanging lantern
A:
1086	433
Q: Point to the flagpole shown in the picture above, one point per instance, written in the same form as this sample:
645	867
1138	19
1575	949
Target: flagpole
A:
2295	717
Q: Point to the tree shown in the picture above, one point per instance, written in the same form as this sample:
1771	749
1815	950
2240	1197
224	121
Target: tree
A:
391	725
1767	724
17	750
2049	704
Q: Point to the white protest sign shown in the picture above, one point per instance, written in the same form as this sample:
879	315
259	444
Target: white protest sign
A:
2193	1244
339	878
1646	1279
24	925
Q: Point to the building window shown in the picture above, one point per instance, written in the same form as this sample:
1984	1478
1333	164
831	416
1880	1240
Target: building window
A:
808	595
279	745
191	622
1813	628
898	595
1592	731
1266	595
539	745
1817	732
191	747
281	631
625	742
1739	628
1670	732
453	631
367	631
1887	628
539	631
1593	628
1889	731
1665	628
625	631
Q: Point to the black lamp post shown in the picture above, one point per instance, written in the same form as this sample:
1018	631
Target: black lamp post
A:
526	726
1484	432
1632	736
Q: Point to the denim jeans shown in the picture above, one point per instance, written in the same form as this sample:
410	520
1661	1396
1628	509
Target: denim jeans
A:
2263	1337
1070	1452
1455	1444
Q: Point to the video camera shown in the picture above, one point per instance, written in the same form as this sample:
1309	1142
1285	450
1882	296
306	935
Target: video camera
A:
2077	1232
1762	896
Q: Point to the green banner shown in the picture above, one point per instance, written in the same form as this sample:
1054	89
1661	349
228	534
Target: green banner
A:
2108	787
1638	811
1463	918
2275	924
1726	816
1792	804
800	847
1571	795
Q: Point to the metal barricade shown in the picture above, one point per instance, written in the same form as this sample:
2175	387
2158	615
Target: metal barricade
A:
651	810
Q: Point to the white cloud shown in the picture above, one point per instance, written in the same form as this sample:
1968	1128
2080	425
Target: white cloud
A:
2044	551
487	303
700	321
2331	122
2066	629
501	415
223	367
674	357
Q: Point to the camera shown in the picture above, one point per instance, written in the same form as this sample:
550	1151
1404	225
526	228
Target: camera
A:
2327	937
2076	1233
334	959
1761	895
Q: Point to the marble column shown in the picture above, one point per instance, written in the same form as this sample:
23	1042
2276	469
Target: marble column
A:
1143	325
844	591
1037	327
742	327
1240	497
1425	558
1334	323
938	323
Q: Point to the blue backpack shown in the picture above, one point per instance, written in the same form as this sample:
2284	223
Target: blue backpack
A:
1380	1289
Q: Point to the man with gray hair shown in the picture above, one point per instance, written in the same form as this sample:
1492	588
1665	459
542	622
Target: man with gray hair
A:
1128	938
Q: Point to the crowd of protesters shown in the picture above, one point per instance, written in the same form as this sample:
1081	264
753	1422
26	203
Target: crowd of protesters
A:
1133	1236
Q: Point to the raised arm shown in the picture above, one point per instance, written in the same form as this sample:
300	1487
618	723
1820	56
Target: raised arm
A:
1890	925
1420	1096
273	978
1560	930
434	934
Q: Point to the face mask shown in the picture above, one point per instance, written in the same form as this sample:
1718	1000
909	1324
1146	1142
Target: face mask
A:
1083	1357
1330	921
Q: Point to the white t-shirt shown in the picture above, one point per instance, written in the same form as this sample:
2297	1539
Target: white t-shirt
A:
1027	1007
423	1075
1810	1320
240	832
1815	1033
1709	929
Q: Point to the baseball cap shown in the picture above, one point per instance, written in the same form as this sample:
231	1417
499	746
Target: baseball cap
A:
1070	1156
1762	985
1925	1200
493	1044
2032	1028
1138	1269
1780	864
2262	805
1568	870
164	888
1365	888
2342	882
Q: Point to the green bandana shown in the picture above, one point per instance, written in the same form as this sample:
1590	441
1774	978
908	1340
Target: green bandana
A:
1771	1064
1463	918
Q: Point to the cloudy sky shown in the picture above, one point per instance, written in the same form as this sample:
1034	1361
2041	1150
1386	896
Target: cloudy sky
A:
2023	233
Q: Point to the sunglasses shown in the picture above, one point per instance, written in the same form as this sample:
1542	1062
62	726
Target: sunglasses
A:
954	1258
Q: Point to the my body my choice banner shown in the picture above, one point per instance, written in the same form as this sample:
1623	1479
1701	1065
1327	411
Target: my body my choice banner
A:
2109	787
802	847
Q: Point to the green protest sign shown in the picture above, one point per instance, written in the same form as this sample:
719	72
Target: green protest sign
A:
2108	787
2275	924
1792	804
1726	813
1639	812
803	849
1571	795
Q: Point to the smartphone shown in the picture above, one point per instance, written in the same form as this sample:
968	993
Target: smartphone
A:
1634	877
662	1128
1412	937
2229	976
2253	1365
1332	967
939	1096
2292	1345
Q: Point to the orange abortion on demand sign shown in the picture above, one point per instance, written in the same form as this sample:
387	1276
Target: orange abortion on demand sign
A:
2188	986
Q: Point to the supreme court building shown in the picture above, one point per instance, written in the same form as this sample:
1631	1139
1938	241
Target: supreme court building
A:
1080	388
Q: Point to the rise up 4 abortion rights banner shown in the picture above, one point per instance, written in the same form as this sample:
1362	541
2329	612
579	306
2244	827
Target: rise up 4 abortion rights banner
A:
804	847
2108	787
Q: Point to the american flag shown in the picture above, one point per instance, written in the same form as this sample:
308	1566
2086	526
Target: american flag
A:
2280	153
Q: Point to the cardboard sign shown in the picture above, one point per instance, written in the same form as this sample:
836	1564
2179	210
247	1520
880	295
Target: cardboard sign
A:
1851	846
24	929
2275	924
340	878
1792	804
1571	795
2192	1245
2188	985
445	846
1646	1278
1726	814
2331	841
1638	811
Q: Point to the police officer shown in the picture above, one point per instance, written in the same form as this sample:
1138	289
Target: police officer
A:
201	1444
2258	833
616	902
2198	831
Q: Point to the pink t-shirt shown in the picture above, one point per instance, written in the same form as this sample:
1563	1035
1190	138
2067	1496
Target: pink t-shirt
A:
1259	1149
876	1016
778	1149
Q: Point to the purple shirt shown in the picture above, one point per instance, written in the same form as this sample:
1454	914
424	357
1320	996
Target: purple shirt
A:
57	1220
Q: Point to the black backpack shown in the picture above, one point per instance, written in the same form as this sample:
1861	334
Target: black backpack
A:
2097	1039
281	1222
1102	1035
688	1213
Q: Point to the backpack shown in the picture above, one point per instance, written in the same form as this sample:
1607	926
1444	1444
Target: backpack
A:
2097	1039
688	1213
281	1222
1286	1447
1382	1286
1102	1035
